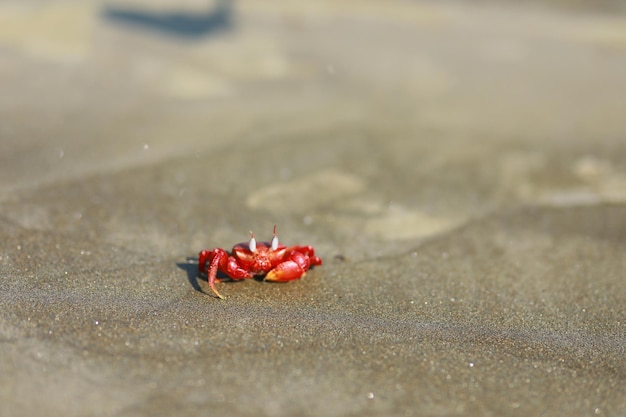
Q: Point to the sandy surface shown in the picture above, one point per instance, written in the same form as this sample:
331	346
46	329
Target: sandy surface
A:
461	171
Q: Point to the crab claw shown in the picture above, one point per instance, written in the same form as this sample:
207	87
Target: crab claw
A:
286	271
293	268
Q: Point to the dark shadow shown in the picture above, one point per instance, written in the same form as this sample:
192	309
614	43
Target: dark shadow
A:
191	267
187	25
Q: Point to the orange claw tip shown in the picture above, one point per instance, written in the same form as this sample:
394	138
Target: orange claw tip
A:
217	294
271	276
286	271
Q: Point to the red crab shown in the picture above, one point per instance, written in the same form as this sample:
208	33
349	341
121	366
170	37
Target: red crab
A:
274	260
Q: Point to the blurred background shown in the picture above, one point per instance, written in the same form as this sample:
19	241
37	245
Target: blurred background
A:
103	79
367	93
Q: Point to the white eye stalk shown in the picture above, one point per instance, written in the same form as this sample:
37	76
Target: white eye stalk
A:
275	240
252	244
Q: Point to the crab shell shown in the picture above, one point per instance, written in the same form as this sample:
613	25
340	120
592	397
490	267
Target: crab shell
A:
259	258
274	260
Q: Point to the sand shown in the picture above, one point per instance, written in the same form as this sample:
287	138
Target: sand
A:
461	171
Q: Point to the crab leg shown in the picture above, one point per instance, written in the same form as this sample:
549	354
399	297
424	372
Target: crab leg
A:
203	257
219	260
217	257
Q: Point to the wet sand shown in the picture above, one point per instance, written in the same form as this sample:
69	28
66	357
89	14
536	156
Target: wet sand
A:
461	171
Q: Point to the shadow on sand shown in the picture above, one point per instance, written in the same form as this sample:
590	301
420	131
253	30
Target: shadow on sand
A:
186	25
191	268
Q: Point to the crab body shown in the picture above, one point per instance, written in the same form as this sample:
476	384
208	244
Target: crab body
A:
273	260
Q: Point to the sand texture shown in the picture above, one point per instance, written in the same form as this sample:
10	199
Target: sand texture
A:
461	170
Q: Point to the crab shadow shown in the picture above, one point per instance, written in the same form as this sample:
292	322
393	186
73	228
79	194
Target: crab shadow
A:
194	277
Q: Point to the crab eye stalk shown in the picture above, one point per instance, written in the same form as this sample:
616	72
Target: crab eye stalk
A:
252	244
275	240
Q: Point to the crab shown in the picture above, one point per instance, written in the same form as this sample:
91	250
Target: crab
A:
272	260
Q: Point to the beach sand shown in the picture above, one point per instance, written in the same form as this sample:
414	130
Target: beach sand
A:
460	169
